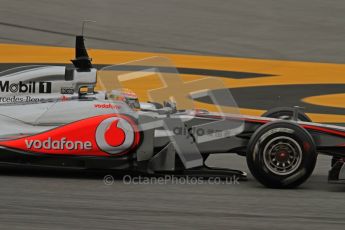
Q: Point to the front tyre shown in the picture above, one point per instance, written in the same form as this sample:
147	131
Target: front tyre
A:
281	154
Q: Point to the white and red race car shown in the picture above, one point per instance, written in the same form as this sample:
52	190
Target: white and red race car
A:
53	116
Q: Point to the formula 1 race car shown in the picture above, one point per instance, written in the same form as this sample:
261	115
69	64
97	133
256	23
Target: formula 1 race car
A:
53	116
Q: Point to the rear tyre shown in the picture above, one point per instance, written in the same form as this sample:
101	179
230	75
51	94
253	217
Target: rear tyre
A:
285	113
281	154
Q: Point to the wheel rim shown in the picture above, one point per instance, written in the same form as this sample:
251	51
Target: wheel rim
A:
282	155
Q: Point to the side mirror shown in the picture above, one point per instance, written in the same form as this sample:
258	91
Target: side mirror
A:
148	106
156	107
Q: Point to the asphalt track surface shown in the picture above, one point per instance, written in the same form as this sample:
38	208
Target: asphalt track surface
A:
294	30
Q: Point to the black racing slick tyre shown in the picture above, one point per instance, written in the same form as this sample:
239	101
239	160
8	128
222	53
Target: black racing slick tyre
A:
285	113
281	154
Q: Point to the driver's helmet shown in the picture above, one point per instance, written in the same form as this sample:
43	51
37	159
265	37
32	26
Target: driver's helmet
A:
125	95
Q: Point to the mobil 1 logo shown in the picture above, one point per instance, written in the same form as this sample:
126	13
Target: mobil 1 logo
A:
25	87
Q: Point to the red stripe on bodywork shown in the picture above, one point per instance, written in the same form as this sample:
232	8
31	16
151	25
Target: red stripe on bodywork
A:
262	121
325	130
81	131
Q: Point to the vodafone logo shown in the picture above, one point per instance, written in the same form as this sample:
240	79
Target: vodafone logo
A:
115	135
